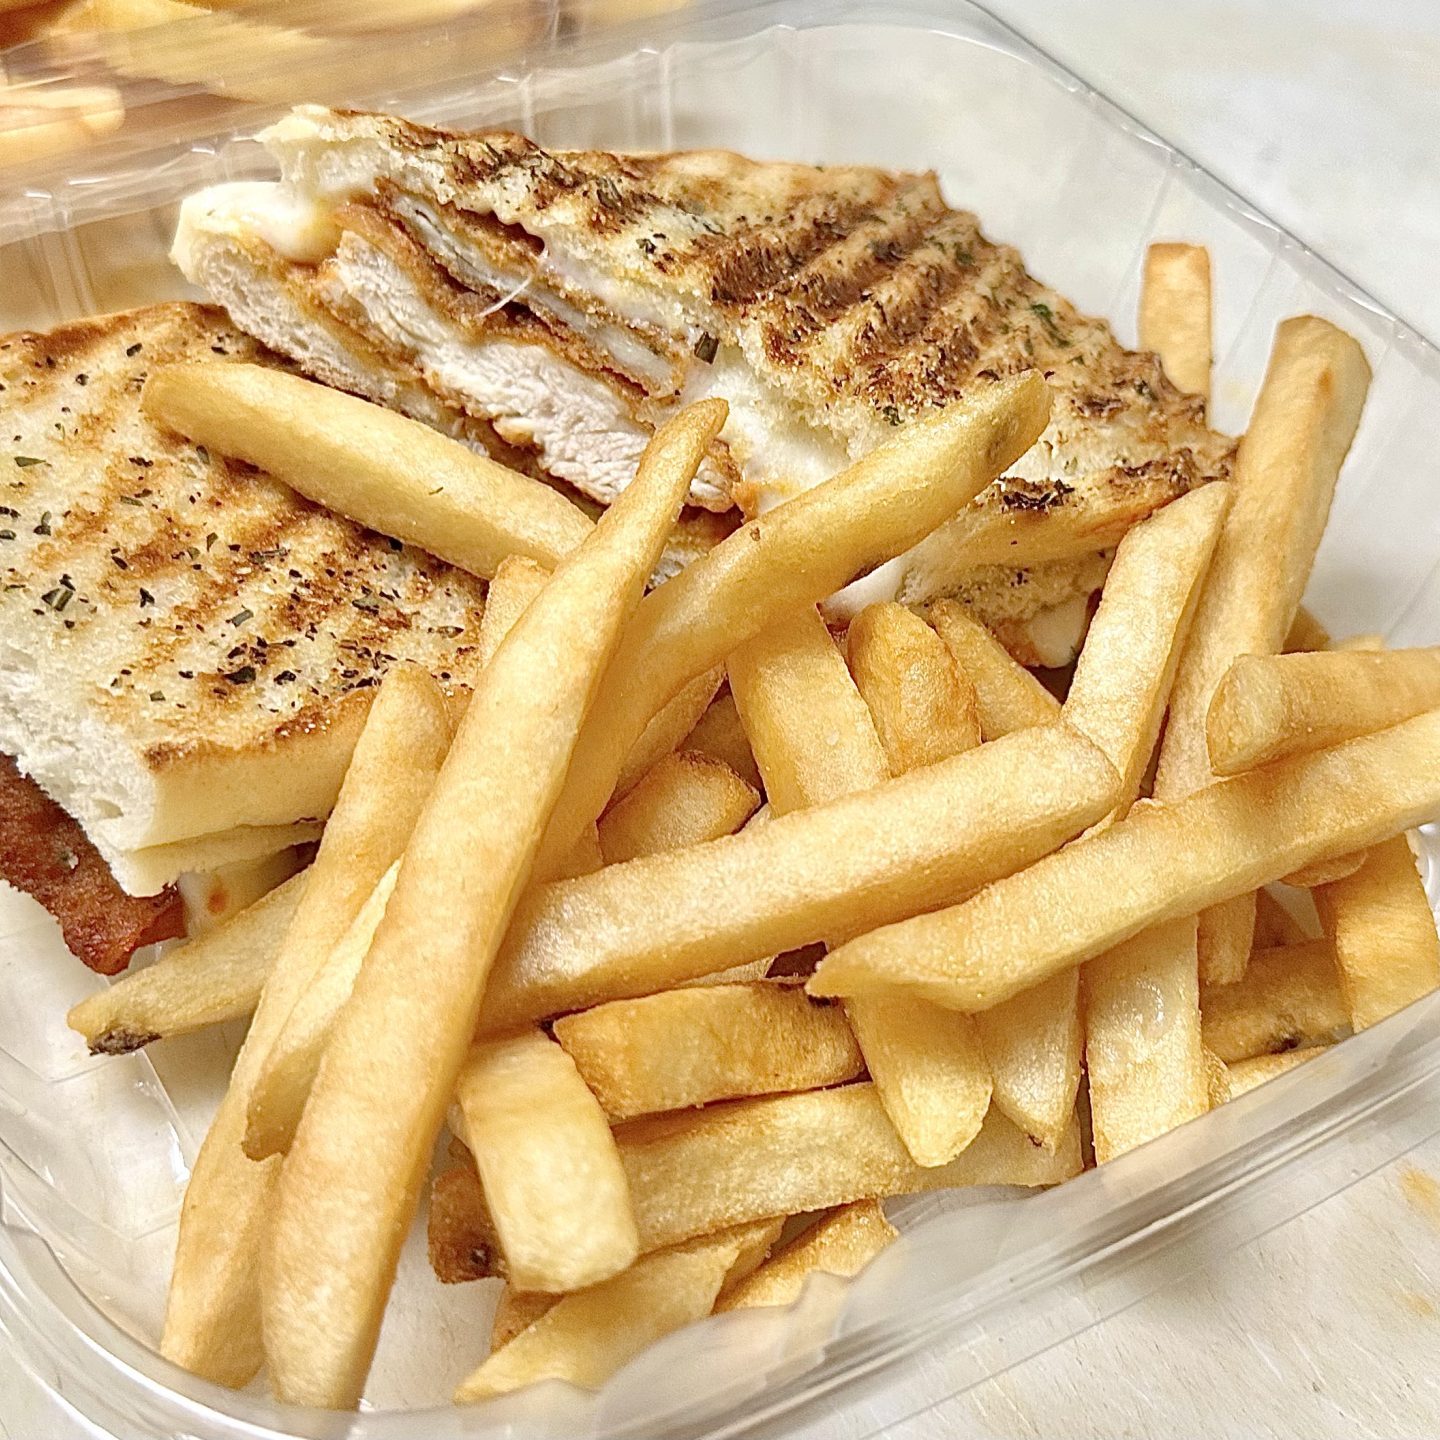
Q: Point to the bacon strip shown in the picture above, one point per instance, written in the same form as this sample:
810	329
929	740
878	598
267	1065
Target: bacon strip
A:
46	854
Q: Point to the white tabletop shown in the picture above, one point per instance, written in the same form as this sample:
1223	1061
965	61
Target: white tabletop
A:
1325	114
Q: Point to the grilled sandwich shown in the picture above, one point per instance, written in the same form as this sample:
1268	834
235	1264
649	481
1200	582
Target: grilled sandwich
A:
566	302
186	647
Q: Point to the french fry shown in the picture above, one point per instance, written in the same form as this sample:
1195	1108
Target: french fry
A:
1269	706
1034	1067
924	707
687	798
1386	946
460	1234
1306	633
1122	680
842	1243
394	474
586	1337
1325	872
548	1164
212	1313
1159	863
1147	1068
667	728
810	732
721	1042
781	1155
516	582
1217	1075
1285	472
1371	640
792	1153
351	1180
1289	996
646	925
1032	1045
278	1096
1175	313
719	733
206	982
1245	1075
814	739
795	555
1009	697
517	1310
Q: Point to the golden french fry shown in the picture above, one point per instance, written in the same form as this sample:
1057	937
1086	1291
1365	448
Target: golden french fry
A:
548	1164
795	555
1288	996
814	739
1245	1075
351	1180
1285	472
1269	706
1380	919
1175	313
939	832
206	982
1159	863
791	1153
685	799
1123	677
1034	1072
1325	872
517	1310
1277	925
278	1096
460	1235
43	120
586	1337
720	1042
1032	1045
719	733
381	469
1147	1067
759	1240
1217	1077
810	732
516	582
1371	640
842	1243
667	728
930	1070
1009	697
924	707
1306	633
212	1314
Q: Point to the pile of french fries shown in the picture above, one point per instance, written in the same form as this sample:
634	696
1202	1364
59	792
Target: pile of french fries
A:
704	930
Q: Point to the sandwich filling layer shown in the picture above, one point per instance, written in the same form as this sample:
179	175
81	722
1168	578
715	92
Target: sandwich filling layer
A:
572	300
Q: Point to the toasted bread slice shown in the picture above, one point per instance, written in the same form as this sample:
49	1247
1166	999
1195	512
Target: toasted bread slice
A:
186	647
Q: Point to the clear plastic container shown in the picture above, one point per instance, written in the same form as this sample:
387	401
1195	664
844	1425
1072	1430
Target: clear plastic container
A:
94	1152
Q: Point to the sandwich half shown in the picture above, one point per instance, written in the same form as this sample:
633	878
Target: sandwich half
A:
566	302
187	648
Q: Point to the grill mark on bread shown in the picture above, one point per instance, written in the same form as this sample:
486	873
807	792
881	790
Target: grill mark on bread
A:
167	634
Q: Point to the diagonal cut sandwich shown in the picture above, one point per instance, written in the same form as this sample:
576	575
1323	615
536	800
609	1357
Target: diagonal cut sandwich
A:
187	648
565	303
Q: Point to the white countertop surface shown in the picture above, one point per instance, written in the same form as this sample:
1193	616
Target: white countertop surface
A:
1325	113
